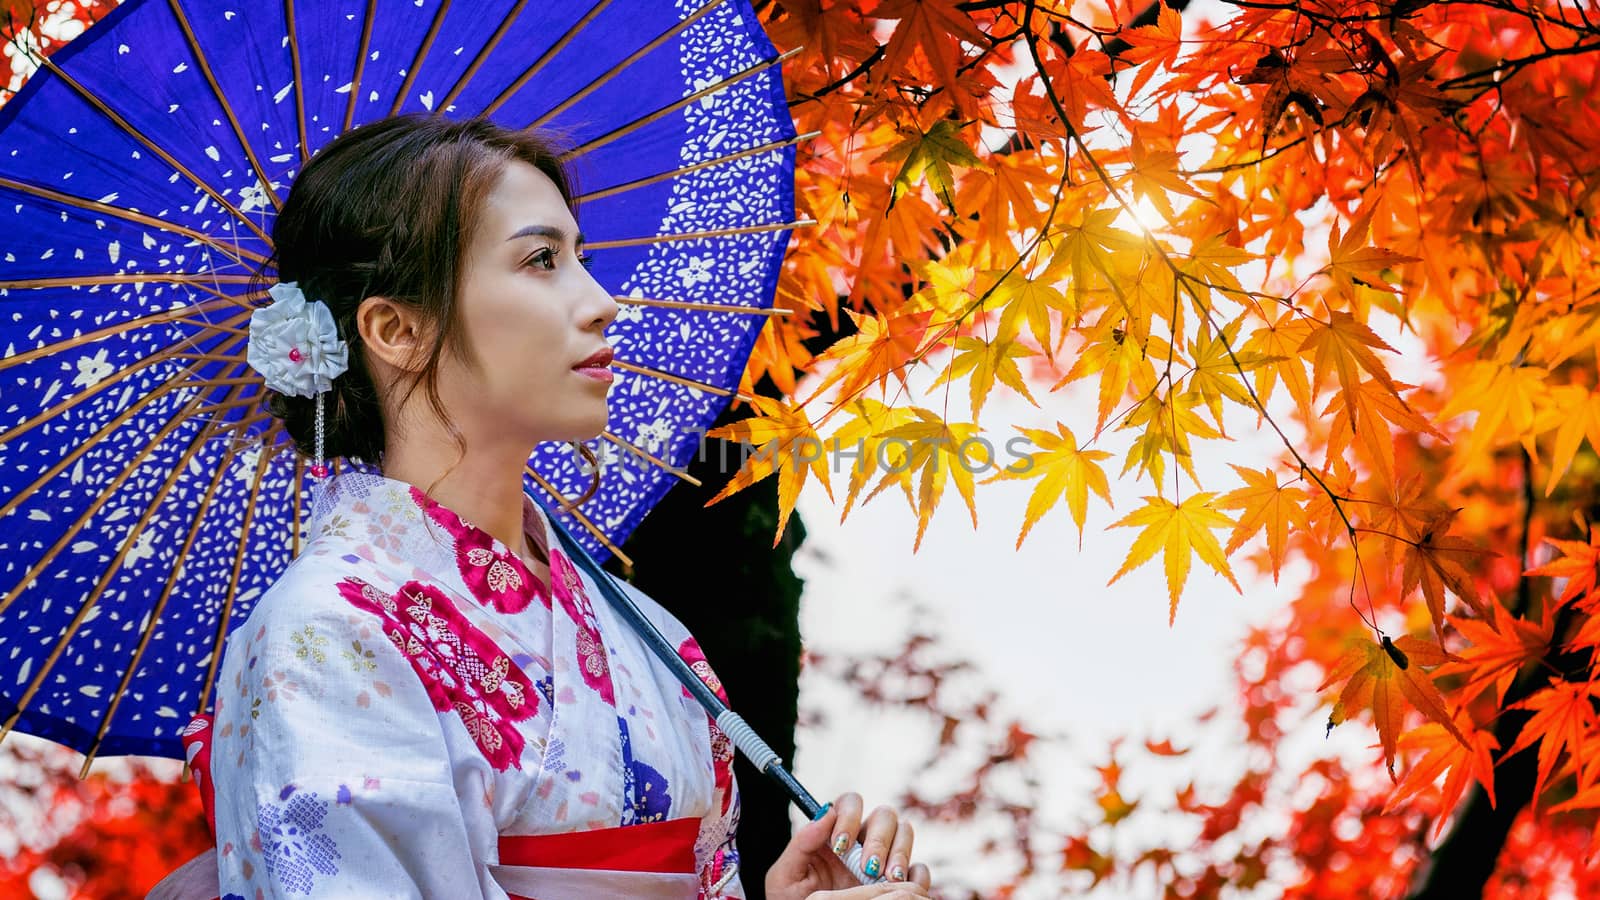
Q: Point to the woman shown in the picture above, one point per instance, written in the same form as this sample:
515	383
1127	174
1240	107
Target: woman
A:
431	701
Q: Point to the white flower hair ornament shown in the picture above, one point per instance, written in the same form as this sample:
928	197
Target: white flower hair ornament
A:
295	345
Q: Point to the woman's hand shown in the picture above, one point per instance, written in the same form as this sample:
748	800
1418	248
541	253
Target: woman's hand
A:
812	866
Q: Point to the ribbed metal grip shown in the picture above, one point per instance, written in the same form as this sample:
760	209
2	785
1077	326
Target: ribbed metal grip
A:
749	743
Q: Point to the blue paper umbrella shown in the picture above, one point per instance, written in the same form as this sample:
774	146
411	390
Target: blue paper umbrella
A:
148	498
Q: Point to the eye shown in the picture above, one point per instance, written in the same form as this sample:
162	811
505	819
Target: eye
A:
542	258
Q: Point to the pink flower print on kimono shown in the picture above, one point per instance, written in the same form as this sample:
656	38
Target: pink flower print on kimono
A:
386	532
460	666
592	662
495	575
721	747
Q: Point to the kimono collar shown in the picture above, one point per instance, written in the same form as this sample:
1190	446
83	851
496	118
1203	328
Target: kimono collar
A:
360	503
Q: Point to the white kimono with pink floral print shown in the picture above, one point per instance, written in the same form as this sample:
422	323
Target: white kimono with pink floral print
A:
409	712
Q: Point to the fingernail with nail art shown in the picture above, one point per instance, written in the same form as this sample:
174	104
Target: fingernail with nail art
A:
873	867
841	844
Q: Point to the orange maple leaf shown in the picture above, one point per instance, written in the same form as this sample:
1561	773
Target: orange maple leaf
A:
1500	648
1563	716
1268	506
932	25
1578	564
1155	45
1385	677
882	346
1345	344
1352	262
785	443
1436	562
1442	753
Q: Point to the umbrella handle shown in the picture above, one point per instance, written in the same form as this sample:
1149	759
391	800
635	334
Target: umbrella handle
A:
763	757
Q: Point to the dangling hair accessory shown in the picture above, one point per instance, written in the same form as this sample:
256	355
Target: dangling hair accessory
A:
294	344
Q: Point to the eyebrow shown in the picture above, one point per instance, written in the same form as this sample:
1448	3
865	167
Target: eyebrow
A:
549	231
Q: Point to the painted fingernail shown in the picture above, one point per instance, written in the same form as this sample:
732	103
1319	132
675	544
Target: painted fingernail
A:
873	867
841	844
822	812
898	873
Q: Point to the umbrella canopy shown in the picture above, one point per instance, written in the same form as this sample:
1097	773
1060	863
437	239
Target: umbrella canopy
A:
148	498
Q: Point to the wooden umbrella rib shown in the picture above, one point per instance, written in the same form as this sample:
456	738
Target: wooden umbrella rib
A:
104	581
647	456
72	456
707	307
692	167
227	108
678	379
233	584
117	212
158	609
298	82
355	81
113	330
106	383
128	278
77	620
166	157
549	53
422	54
709	233
627	129
620	67
582	519
478	58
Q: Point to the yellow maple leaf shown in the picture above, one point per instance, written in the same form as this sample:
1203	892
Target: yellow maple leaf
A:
1180	531
1579	412
982	363
936	452
1063	470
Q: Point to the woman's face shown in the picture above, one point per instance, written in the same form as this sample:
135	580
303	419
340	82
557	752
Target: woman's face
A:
532	316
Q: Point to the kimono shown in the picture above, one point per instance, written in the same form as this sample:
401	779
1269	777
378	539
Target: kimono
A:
410	712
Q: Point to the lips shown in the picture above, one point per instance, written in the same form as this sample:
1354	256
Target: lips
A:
597	360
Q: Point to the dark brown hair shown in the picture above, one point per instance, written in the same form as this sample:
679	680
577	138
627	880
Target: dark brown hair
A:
389	209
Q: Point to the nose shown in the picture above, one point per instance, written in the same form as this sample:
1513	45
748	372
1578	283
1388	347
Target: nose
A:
599	307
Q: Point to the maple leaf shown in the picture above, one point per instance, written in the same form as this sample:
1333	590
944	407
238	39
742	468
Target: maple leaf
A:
1008	199
1150	46
932	25
1063	470
1030	301
1578	564
1079	856
1268	507
1088	251
983	362
1579	412
861	439
1180	531
1216	373
1563	716
1499	650
786	443
1384	677
1369	405
931	153
1345	344
1154	173
881	346
1500	394
1122	363
1437	561
938	452
1279	344
1168	422
1442	753
1351	262
1079	79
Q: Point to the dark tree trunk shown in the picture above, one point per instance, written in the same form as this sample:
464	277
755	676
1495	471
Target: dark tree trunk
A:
715	569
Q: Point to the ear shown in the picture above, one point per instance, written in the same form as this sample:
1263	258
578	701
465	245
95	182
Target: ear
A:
392	332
